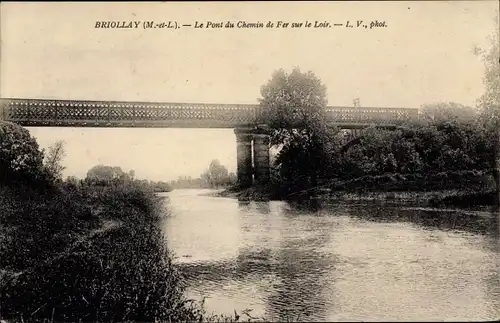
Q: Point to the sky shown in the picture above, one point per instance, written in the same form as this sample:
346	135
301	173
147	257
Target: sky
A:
52	50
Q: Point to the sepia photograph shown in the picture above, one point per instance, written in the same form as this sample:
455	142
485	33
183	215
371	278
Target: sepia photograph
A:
312	161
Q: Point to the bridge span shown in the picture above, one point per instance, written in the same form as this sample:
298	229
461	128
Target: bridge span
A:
247	120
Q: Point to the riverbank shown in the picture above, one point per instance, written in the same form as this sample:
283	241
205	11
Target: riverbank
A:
433	198
89	254
462	189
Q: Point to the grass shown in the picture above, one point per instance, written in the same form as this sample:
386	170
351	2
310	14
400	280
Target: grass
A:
91	254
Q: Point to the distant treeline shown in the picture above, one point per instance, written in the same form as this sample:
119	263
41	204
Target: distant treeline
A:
215	176
106	175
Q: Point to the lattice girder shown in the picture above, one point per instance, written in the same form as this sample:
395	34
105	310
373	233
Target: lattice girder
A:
37	112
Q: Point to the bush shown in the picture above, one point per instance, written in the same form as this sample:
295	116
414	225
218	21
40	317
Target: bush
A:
41	225
120	275
130	201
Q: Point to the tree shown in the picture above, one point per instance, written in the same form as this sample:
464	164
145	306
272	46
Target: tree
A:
216	174
294	107
105	174
232	178
292	102
489	102
446	111
20	156
53	160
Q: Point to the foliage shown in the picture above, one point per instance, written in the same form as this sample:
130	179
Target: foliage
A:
187	182
112	264
469	180
294	108
489	102
54	158
447	111
21	160
160	186
131	174
216	175
102	174
115	272
447	146
451	139
290	102
41	224
113	175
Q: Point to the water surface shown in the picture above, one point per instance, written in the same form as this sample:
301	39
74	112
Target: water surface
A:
336	262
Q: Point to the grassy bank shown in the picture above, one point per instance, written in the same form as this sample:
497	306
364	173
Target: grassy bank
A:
89	254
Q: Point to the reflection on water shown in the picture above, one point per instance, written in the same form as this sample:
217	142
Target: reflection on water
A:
320	261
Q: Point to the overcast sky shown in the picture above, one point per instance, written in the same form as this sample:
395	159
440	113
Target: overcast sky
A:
52	50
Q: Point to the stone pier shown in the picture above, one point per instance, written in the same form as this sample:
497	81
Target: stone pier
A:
496	178
261	158
244	157
252	164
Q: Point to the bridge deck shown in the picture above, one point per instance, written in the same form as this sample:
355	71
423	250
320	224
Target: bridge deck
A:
78	113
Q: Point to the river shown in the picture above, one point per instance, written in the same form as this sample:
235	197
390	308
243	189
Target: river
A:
335	262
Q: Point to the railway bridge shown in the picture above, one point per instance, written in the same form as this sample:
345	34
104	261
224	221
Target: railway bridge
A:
252	138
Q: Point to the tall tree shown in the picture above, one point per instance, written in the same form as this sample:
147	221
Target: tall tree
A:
53	159
293	103
489	102
294	106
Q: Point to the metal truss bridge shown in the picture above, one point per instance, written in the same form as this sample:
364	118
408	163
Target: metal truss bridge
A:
79	113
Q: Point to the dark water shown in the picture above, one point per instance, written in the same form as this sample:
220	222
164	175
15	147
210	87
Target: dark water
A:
337	263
